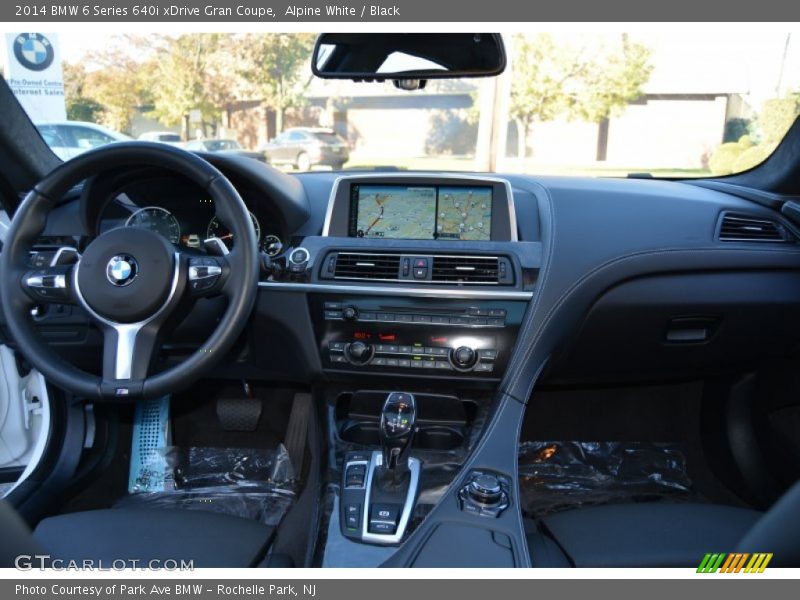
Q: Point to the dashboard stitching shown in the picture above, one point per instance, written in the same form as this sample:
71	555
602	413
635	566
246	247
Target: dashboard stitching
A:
619	259
534	304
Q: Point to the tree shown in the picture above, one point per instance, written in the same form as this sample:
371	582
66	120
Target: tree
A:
190	73
272	65
79	106
539	92
588	82
113	79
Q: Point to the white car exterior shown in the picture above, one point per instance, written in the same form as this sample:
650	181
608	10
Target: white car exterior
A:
68	139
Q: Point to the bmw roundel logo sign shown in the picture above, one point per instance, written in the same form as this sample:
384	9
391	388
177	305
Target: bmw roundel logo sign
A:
33	51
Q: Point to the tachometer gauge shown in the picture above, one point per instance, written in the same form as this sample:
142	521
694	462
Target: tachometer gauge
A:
156	219
272	245
218	230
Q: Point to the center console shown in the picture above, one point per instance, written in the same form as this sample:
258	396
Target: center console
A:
419	285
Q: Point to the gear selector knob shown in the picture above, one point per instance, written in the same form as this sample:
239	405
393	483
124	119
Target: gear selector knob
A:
397	426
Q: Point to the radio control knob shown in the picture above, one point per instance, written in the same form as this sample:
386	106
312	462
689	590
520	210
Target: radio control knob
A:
464	357
359	352
349	313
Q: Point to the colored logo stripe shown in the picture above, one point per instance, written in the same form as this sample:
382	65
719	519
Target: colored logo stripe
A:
734	562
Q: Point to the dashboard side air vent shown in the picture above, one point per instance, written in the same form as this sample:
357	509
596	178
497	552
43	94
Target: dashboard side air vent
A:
367	265
736	227
467	269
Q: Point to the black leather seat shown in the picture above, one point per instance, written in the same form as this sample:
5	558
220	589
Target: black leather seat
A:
206	538
665	535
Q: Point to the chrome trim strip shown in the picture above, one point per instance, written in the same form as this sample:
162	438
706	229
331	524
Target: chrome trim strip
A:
37	281
194	272
408	506
423	292
512	211
126	332
56	260
218	244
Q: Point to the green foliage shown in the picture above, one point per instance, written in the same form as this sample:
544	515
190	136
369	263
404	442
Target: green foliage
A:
775	119
112	89
79	106
186	75
555	79
725	156
777	116
272	63
612	78
753	156
735	128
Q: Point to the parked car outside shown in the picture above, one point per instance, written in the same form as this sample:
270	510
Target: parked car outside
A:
68	139
306	147
164	137
222	146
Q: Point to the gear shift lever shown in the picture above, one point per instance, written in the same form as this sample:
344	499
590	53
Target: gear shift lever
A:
379	490
397	427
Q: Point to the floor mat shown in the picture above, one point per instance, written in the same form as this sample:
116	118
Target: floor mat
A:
253	483
556	475
266	507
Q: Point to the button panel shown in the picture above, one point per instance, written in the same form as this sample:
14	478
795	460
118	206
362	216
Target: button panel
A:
411	357
472	317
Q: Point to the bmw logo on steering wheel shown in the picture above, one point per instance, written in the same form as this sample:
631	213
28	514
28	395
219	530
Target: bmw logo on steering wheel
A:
33	51
122	270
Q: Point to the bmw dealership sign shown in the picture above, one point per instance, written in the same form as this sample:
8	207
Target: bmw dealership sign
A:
33	71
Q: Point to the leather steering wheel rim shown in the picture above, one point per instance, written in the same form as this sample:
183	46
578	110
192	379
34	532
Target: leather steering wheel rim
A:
238	282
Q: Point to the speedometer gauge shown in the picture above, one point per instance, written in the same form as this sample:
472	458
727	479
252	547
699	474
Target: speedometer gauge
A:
156	219
218	230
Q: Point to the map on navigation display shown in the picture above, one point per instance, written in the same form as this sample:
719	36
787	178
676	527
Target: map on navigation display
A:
396	212
464	213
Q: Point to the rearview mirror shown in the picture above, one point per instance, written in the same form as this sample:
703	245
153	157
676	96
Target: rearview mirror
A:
407	57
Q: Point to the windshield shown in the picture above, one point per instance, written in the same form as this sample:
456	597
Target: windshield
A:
681	104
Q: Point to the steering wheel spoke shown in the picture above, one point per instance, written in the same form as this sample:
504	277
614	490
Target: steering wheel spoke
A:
50	284
128	352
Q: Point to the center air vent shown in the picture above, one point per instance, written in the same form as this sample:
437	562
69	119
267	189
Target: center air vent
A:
362	265
744	228
420	268
466	269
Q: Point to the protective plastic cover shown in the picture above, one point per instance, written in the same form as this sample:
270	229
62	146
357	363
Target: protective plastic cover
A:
555	476
256	484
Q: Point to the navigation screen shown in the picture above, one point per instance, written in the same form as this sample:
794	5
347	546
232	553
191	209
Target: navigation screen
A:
421	212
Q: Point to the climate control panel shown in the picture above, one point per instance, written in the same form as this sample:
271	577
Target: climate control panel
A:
429	337
463	359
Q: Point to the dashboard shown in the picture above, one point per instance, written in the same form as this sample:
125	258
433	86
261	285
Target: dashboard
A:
183	214
477	278
472	285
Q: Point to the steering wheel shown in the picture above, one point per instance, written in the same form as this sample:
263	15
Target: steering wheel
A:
129	281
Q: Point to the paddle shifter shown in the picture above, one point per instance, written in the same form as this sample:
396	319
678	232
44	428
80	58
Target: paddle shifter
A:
380	487
398	422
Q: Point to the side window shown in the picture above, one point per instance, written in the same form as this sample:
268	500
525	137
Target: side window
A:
89	138
296	136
